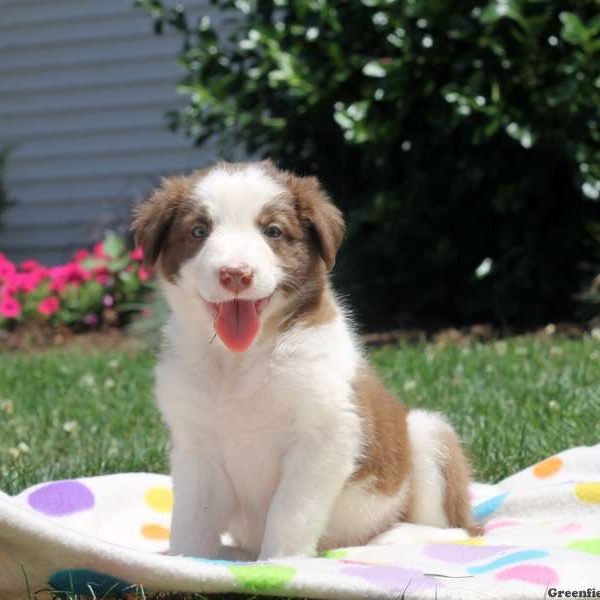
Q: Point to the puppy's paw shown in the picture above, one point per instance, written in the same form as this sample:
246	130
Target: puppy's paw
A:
236	553
189	547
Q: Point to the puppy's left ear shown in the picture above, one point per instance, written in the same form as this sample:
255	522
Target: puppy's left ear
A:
325	219
152	219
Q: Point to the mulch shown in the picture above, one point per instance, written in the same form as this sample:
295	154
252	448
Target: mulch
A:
482	332
35	338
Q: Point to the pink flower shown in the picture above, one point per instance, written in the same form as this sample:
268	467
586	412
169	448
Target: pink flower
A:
144	274
80	255
72	274
48	306
27	282
102	275
9	287
9	307
30	265
99	250
58	285
91	320
108	300
137	254
7	270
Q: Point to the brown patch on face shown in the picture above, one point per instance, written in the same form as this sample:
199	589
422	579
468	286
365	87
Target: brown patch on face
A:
386	456
312	230
325	218
180	244
163	224
315	210
457	476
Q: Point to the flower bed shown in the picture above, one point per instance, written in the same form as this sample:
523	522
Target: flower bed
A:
97	289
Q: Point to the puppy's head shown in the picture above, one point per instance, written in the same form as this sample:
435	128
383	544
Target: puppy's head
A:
236	236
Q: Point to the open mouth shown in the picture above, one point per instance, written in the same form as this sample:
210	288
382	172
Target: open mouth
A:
237	321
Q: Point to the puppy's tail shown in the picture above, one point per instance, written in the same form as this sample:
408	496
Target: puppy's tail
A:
440	474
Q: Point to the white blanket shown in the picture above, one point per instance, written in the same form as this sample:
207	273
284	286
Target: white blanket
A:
109	534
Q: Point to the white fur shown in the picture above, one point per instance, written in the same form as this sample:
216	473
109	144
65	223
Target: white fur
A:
428	458
264	442
359	514
234	201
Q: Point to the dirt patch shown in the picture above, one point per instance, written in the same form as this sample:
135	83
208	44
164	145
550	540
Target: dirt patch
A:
36	338
460	336
33	339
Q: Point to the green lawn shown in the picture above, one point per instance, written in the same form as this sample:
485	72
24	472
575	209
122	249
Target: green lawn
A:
65	414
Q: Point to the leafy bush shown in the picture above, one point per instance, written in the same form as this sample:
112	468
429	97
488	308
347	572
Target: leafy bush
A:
461	138
590	302
98	288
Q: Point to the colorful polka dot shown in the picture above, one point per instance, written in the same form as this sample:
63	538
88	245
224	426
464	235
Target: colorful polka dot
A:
461	553
336	553
152	531
160	499
590	546
84	581
395	578
510	559
61	498
547	468
346	561
530	574
570	528
588	492
262	578
489	507
499	523
473	541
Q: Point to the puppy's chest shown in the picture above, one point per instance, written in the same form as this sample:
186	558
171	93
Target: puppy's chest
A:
251	434
245	410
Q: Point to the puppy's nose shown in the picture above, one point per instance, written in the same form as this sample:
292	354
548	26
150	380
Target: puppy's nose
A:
236	279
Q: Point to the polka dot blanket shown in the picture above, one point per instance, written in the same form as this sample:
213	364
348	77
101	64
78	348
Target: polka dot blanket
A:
108	536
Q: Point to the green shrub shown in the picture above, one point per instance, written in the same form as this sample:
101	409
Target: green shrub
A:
462	139
105	287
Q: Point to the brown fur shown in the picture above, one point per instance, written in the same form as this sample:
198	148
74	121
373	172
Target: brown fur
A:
325	219
313	230
457	476
313	227
180	245
386	449
163	224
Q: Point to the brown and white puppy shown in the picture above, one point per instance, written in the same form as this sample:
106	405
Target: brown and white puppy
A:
282	436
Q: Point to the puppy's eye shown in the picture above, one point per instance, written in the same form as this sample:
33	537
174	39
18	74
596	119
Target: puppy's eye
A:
199	232
273	231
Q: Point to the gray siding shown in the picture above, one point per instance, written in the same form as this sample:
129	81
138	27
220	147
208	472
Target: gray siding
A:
84	85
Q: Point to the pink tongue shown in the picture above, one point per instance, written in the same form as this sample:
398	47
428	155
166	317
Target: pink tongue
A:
237	324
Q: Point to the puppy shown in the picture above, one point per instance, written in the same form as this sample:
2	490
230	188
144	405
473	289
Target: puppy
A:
282	436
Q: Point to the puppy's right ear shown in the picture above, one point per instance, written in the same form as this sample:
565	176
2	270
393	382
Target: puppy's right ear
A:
152	219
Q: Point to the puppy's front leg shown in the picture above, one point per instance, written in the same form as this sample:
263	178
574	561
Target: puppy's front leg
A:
204	502
314	473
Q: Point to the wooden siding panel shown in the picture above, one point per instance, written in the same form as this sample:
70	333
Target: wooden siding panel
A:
84	86
86	100
28	14
82	77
